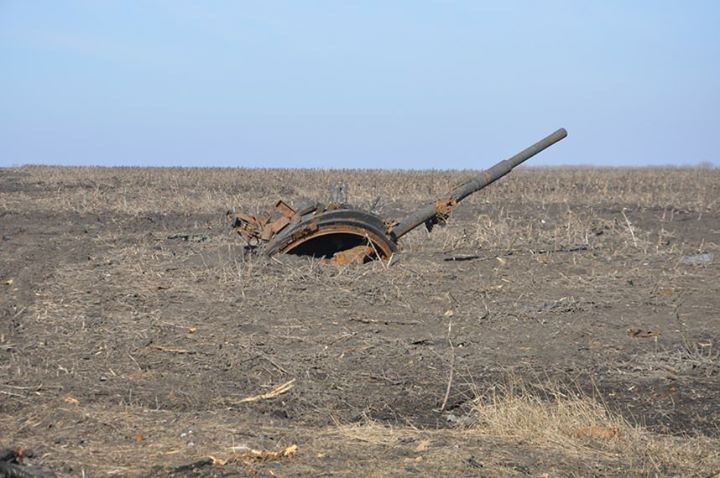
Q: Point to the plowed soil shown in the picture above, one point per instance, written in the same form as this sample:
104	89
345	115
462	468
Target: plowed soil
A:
134	325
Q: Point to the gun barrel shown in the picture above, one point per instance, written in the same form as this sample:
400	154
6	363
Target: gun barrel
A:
426	213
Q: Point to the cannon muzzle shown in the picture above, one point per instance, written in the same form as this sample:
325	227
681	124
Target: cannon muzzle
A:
342	234
439	210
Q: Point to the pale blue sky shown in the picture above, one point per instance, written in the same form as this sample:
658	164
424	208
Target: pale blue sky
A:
366	84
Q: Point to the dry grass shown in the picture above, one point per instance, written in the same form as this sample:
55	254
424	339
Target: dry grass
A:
565	429
137	279
562	419
564	202
546	416
124	190
547	429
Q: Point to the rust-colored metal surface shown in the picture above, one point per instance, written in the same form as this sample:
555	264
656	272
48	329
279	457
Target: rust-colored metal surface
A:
340	234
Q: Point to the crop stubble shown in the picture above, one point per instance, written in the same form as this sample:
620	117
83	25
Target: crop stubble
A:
133	328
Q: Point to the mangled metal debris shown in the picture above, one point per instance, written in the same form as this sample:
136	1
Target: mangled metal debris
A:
342	234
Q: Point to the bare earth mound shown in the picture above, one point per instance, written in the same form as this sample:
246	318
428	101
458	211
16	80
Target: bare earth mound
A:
564	323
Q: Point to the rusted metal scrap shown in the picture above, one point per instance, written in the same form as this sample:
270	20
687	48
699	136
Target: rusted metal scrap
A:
342	234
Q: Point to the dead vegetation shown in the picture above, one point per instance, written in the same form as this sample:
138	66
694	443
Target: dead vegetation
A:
207	191
568	421
130	316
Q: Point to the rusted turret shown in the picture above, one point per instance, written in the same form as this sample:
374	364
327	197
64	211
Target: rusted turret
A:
344	234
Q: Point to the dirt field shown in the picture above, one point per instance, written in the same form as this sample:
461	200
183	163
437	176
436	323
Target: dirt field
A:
564	323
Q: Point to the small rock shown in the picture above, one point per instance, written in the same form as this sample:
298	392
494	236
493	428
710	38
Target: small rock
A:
698	259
